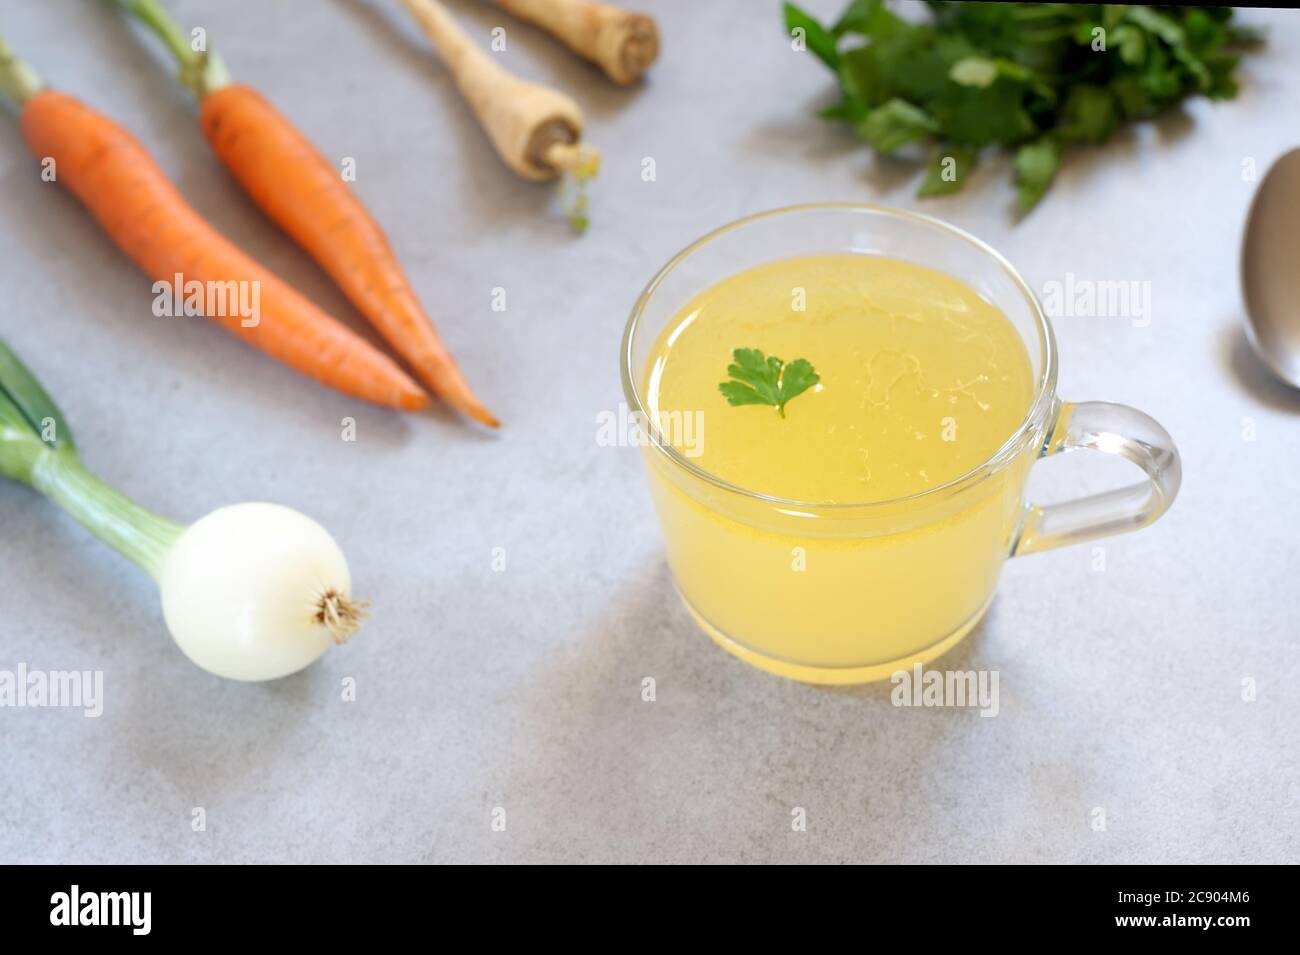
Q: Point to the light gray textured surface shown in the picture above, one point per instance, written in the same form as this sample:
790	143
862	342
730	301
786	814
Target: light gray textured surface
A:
1120	689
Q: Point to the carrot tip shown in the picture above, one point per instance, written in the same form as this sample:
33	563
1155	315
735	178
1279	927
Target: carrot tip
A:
469	406
446	382
482	416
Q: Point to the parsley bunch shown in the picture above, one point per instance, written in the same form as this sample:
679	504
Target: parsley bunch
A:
1033	76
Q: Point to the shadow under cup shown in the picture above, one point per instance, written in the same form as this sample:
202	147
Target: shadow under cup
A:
850	593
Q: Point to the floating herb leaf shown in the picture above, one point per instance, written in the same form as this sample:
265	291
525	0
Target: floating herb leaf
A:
760	380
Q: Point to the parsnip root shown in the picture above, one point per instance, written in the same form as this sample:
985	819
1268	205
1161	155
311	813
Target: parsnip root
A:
524	120
621	43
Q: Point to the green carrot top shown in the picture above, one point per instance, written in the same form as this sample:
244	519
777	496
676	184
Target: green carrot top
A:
201	69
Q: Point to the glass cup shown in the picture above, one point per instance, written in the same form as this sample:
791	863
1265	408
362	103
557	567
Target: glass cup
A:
850	593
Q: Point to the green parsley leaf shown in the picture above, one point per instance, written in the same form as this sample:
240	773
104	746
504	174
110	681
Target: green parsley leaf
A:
1090	115
761	380
868	17
1036	165
949	167
974	71
818	39
894	125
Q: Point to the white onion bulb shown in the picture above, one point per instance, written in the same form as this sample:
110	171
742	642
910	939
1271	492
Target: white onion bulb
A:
256	591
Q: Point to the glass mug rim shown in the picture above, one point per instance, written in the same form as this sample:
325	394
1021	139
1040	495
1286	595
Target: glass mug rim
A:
1035	417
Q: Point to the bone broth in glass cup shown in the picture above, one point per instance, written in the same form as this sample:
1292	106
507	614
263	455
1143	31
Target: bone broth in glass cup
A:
842	404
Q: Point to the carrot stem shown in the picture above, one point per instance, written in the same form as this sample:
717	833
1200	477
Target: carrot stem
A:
17	78
201	70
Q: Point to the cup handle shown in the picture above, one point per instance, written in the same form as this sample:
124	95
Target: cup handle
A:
1110	429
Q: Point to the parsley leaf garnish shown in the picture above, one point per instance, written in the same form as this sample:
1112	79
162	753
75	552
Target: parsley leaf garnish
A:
759	380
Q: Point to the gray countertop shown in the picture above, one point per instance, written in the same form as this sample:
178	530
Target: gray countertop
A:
520	689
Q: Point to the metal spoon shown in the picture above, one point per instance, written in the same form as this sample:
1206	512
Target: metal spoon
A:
1270	269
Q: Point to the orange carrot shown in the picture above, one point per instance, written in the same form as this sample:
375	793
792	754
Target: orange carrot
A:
306	196
140	209
298	188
